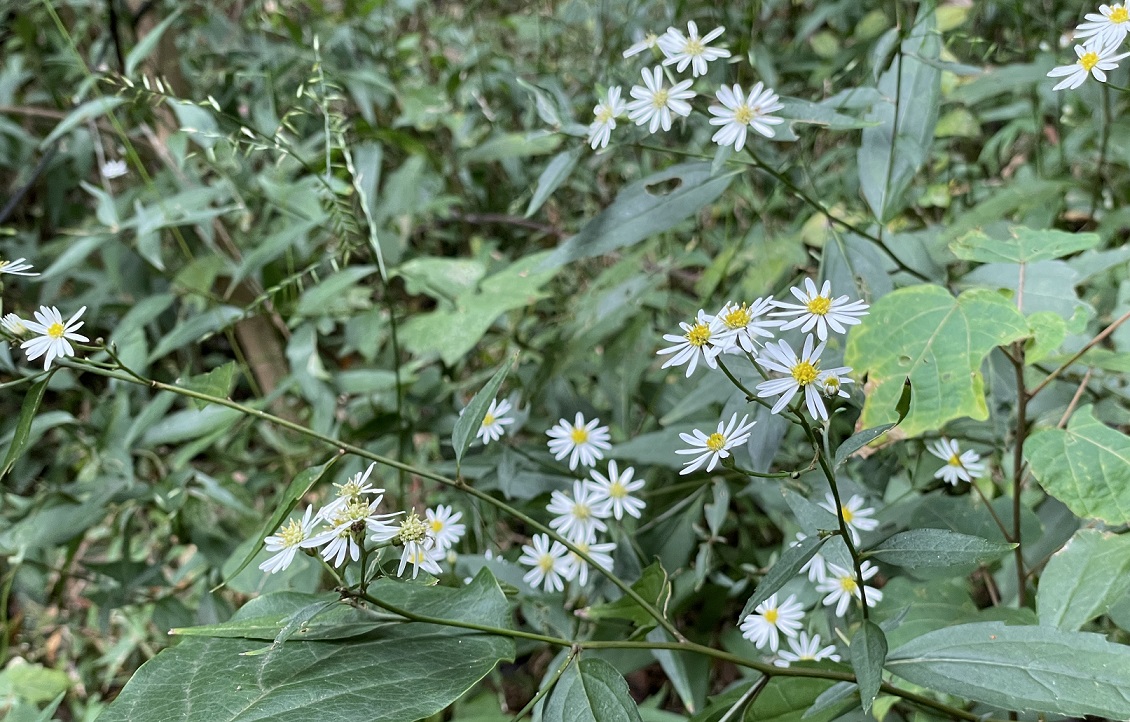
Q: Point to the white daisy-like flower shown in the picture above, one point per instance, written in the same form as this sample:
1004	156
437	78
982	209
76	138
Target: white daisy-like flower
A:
841	585
13	324
112	169
831	383
738	114
421	558
17	267
649	41
443	526
1093	60
576	516
959	466
711	449
352	490
855	516
690	49
492	427
599	553
54	335
612	495
606	112
806	649
770	619
287	541
416	537
348	524
744	322
704	339
820	310
549	562
816	567
1106	28
579	441
803	372
655	103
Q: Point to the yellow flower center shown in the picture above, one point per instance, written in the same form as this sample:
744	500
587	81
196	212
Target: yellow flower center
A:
291	535
1089	60
659	100
604	115
437	526
743	114
1119	15
579	435
55	330
771	615
832	383
739	316
699	335
716	441
820	305
847	514
849	585
413	529
954	461
581	511
488	419
805	373
5	263
695	47
545	563
616	490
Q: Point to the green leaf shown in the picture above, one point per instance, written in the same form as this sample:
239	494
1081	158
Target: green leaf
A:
556	173
195	329
1086	466
1024	245
87	111
326	295
468	424
787	567
265	617
514	145
857	441
676	665
1022	668
939	342
1047	331
891	152
395	673
1084	579
590	691
299	485
643	209
937	548
653	585
22	434
32	683
141	51
217	382
868	652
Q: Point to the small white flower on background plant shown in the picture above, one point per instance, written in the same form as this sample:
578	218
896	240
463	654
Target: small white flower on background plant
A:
443	526
649	41
818	309
711	449
654	103
855	516
1106	28
599	553
704	339
1092	61
550	565
803	372
287	541
579	441
769	620
415	535
606	112
352	490
492	427
612	495
54	335
745	321
960	465
738	114
576	516
17	267
112	169
832	383
691	49
841	585
816	567
13	324
806	649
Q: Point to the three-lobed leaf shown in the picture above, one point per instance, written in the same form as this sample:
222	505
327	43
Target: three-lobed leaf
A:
1023	245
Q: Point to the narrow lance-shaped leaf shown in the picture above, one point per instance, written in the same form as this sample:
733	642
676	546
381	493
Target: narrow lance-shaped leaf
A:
868	652
23	424
787	566
556	173
468	423
937	548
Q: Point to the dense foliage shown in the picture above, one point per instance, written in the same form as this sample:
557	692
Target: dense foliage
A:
306	288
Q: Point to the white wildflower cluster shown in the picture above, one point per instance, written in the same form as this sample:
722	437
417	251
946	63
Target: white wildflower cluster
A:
661	97
1102	36
341	528
581	517
773	619
51	335
745	328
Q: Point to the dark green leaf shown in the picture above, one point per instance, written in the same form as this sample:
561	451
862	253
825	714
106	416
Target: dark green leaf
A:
469	422
1083	579
217	382
321	616
590	691
653	585
787	566
937	548
868	652
23	424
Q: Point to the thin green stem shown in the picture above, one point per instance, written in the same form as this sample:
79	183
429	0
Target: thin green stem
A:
743	703
548	684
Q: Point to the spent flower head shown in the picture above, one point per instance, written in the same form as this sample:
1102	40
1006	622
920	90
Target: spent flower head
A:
612	494
654	103
738	113
711	449
416	538
580	441
960	465
691	49
769	620
357	486
54	335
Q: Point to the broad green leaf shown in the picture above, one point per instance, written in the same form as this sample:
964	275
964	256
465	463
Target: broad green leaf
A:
784	699
937	548
677	666
320	299
1037	287
471	420
857	441
643	209
1024	245
1015	199
440	278
265	617
1086	466
395	673
1047	331
868	652
299	485
1083	579
22	433
556	173
1021	668
939	342
787	567
217	382
591	690
653	585
141	51
87	111
514	145
923	606
32	683
892	151
195	329
798	110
